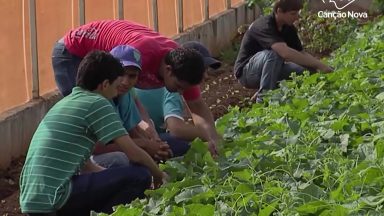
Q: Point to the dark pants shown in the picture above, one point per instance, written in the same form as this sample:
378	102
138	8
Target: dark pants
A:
265	69
65	67
116	159
102	190
178	146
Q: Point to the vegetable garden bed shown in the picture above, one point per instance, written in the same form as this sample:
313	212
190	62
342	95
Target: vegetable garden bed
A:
316	147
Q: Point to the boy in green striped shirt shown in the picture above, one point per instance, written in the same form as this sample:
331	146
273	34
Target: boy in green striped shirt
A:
58	177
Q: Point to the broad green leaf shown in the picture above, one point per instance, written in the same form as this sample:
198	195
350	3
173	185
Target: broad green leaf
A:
243	189
294	126
204	196
339	124
310	192
335	210
379	147
124	211
337	194
245	175
200	210
268	209
315	208
380	96
188	193
174	211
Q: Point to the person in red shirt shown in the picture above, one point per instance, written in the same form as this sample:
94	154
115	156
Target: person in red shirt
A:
164	63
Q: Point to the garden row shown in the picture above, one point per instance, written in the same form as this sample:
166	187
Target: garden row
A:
315	148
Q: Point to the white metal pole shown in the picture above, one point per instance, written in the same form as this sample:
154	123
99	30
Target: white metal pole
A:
206	10
82	12
180	22
121	9
34	53
155	15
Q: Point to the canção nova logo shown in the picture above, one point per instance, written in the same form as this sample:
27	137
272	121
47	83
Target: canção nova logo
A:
341	5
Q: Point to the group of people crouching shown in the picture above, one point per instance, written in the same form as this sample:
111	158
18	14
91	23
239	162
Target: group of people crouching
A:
121	114
124	88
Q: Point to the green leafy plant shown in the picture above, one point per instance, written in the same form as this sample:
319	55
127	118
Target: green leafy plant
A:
377	6
315	148
323	35
229	55
319	35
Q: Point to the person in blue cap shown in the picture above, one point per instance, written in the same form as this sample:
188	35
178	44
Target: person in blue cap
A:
164	64
159	147
166	108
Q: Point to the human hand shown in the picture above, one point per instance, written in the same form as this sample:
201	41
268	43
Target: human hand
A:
158	180
158	149
325	68
166	178
212	147
164	152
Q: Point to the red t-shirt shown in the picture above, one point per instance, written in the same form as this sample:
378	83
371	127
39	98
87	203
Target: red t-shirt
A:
105	35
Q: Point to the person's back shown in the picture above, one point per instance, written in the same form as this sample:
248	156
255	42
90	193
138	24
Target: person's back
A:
107	34
160	105
59	145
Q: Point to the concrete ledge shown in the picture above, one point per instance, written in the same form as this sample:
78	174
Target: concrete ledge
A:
18	125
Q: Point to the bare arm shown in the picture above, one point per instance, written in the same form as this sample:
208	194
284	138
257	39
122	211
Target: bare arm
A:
181	129
144	114
203	120
148	130
155	148
300	58
138	155
146	124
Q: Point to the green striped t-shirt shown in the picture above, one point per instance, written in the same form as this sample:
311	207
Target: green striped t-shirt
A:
61	144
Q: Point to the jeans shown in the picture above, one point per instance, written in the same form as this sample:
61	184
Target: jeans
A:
265	69
111	159
102	190
65	67
178	146
117	159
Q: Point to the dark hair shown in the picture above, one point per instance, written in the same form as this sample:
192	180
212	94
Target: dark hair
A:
288	5
96	67
187	65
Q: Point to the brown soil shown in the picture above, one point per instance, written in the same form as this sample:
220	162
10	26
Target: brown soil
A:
220	90
9	188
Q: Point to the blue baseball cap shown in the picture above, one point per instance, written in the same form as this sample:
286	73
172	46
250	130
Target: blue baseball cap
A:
127	55
209	61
